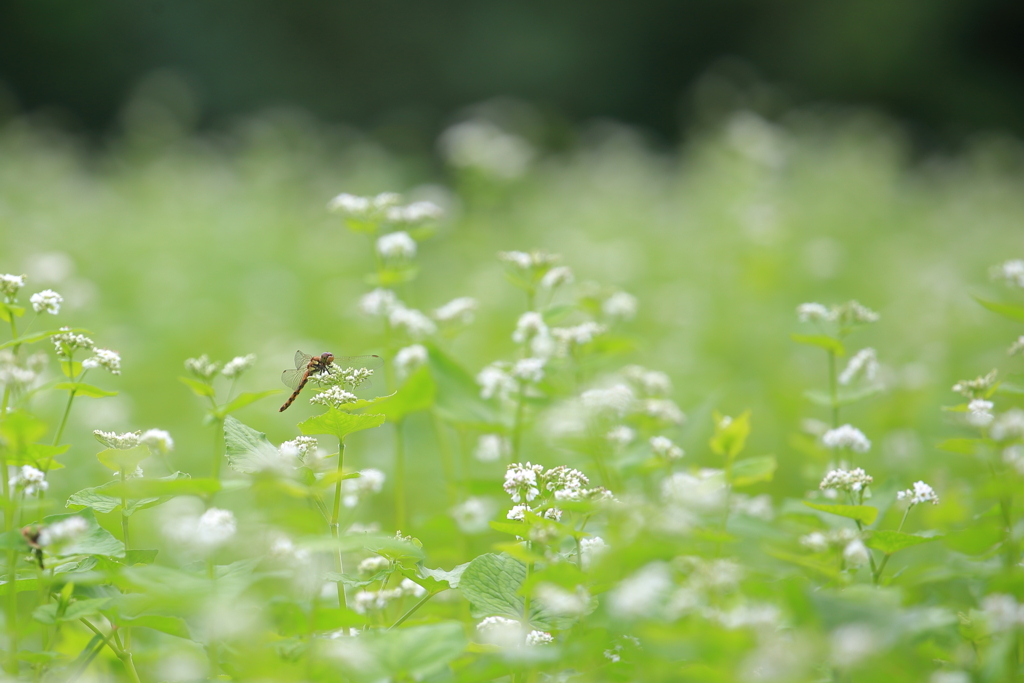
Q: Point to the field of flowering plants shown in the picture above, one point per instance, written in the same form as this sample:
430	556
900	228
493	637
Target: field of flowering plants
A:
748	410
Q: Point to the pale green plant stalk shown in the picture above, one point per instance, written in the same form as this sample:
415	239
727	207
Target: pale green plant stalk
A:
335	527
114	643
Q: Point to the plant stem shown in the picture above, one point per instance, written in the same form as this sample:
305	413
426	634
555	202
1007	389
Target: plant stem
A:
400	513
64	420
412	610
335	529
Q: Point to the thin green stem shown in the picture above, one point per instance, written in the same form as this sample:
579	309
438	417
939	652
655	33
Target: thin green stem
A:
412	610
113	642
88	654
400	509
64	419
336	513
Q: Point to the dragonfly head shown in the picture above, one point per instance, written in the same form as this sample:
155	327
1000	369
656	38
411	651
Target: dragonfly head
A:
327	358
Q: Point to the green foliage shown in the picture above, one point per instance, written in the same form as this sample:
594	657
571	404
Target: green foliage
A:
865	514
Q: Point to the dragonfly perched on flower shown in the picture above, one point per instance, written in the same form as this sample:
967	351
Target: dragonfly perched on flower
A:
348	372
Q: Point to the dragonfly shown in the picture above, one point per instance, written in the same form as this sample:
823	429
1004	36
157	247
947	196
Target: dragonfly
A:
316	368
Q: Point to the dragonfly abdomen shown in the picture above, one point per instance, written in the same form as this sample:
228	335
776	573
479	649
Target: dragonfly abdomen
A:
295	394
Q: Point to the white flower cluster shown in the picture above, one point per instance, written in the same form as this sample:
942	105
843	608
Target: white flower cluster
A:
104	358
528	370
298	448
570	338
643	593
409	358
1016	347
202	367
495	381
697	492
651	383
384	304
334	397
368	601
237	365
117	441
521	481
532	329
1002	612
663	409
591	550
368	482
979	413
853	481
157	440
539	261
29	480
863	363
415	213
484	146
213	528
363	208
556	277
617	400
67	342
373	564
621	436
1008	426
1011	272
492	447
540	492
920	493
819	542
846	437
473	515
63	532
976	388
282	547
20	372
620	306
47	301
10	285
663	447
849	313
399	246
460	310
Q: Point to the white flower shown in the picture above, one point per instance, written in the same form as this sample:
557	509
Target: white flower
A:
560	275
1016	347
616	400
68	342
334	397
979	412
350	205
812	312
121	442
473	515
1009	425
396	245
480	144
372	565
517	513
620	306
63	532
379	302
283	548
365	601
621	435
202	367
298	449
409	358
369	481
529	324
1012	272
663	447
815	541
1014	456
561	602
491	447
577	335
410	587
417	212
852	643
856	553
846	436
664	409
920	493
703	491
237	365
864	362
415	323
48	301
10	285
529	369
950	677
539	638
1002	612
500	631
494	380
461	310
521	481
651	382
977	387
28	479
591	550
104	358
157	440
852	312
215	527
519	259
854	480
641	594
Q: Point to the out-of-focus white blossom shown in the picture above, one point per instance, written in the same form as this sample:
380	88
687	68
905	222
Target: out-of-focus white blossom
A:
569	338
979	413
415	213
368	482
410	358
846	436
202	367
481	145
920	493
641	594
856	553
157	440
492	447
363	208
620	306
373	564
852	643
10	285
1016	347
703	491
46	301
529	369
28	479
396	245
664	409
650	382
473	515
591	550
461	310
557	276
664	448
379	302
759	507
864	363
237	365
501	631
1010	272
63	532
558	601
410	587
812	312
367	601
1009	425
976	388
215	527
415	323
621	435
495	381
853	312
539	638
298	449
1002	612
616	400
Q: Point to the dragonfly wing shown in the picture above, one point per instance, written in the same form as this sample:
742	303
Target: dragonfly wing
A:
291	378
302	360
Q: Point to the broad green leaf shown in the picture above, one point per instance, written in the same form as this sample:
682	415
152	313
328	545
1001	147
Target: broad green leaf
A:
891	541
1006	310
415	395
249	451
339	423
47	614
95	541
100	498
38	336
753	470
822	341
515	528
730	434
201	389
491	584
244	399
42	454
10	311
451	578
117	459
134	557
827	569
976	539
458	394
20	430
81	389
413	653
13	540
865	514
174	626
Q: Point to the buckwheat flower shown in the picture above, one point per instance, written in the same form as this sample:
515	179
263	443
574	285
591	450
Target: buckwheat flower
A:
473	515
1016	347
815	542
853	481
560	275
641	594
237	365
215	527
282	548
1011	272
68	342
28	479
621	435
529	369
10	285
540	260
491	447
591	550
663	409
202	367
650	382
1014	456
853	312
517	513
529	324
664	448
104	358
482	145
846	436
920	493
561	602
1002	612
63	532
157	440
864	362
495	380
461	310
334	397
298	448
812	312
365	601
379	302
350	205
703	491
979	412
976	388
539	638
396	245
852	643
564	478
368	482
121	442
47	301
500	631
521	481
620	306
409	359
372	565
856	553
350	377
577	335
615	400
417	212
1009	425
415	323
410	587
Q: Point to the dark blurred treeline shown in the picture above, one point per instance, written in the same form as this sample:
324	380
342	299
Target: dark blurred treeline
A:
948	66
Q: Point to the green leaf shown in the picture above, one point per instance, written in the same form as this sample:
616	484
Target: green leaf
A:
47	614
40	454
10	311
200	389
134	557
865	514
339	423
13	540
100	498
244	399
417	652
822	341
174	626
1006	310
491	584
38	336
20	430
515	528
730	434
117	459
753	470
415	395
449	578
81	389
95	541
247	450
180	484
890	542
458	394
70	369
